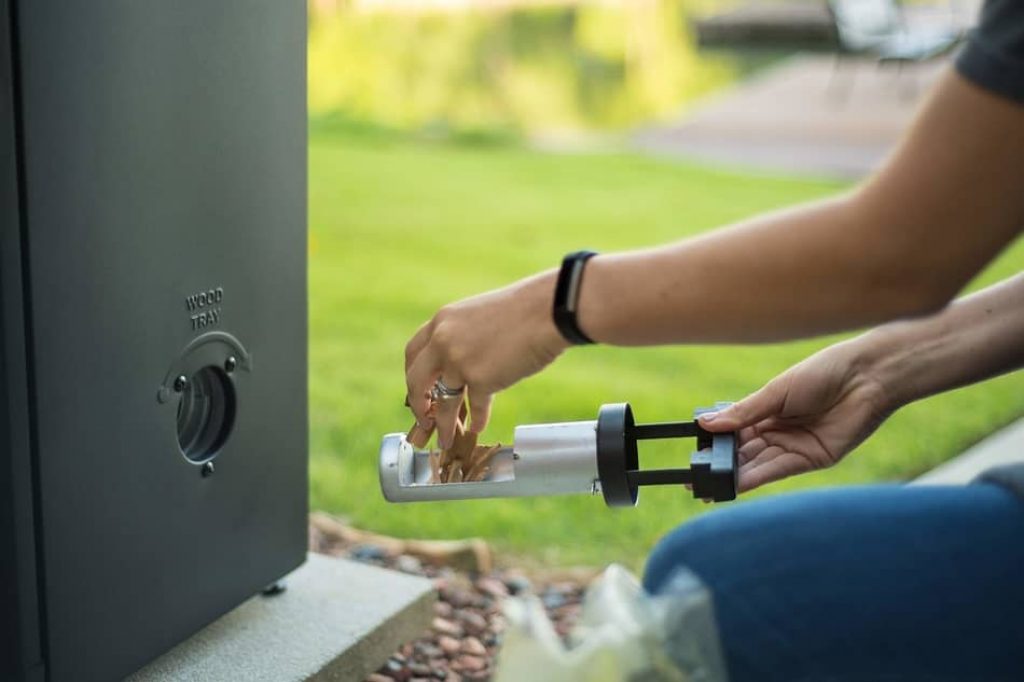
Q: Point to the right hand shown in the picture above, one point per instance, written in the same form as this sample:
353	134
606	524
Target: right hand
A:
485	343
807	418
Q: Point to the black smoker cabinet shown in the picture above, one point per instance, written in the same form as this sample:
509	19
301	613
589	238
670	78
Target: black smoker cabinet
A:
153	419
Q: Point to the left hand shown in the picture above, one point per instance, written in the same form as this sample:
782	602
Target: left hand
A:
485	343
807	418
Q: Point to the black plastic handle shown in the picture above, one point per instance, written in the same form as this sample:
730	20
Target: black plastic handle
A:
712	471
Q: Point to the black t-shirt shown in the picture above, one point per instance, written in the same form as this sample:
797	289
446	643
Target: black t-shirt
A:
993	57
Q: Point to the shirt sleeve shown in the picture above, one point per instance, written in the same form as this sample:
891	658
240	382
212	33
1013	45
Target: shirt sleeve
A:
993	57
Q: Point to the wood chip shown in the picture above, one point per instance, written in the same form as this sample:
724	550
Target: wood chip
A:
465	460
480	463
463	444
419	436
435	466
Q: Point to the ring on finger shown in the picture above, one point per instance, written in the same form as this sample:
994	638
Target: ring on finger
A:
441	391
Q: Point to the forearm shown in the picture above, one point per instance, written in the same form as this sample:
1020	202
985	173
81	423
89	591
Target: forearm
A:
901	245
975	338
810	270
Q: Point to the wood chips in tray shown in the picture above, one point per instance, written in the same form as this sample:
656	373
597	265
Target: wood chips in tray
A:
465	460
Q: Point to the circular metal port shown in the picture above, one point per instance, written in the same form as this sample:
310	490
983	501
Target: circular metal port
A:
206	413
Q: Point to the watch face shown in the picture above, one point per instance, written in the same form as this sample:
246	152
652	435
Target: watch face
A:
567	295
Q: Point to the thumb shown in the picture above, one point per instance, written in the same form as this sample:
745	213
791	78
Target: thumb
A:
757	406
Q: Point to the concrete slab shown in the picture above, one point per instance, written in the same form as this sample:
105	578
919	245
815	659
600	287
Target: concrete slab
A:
807	115
338	620
1002	447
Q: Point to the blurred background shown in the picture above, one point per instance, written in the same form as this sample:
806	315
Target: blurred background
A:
500	70
457	145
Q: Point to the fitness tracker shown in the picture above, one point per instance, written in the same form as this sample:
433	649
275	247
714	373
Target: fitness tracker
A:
567	296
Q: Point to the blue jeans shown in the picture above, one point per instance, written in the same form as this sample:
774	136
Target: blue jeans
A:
891	583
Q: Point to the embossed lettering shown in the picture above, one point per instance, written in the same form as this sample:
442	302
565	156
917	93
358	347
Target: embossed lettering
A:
206	318
204	298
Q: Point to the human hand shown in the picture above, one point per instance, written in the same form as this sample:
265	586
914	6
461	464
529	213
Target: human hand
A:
485	343
809	417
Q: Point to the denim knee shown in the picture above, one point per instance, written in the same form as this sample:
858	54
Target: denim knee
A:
717	546
687	545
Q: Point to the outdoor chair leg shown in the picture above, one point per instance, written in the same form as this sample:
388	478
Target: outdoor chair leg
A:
905	78
908	91
836	91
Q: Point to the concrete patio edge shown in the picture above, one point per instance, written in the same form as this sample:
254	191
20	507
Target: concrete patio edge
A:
1005	446
338	620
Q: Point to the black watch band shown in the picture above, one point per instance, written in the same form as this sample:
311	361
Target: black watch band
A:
567	296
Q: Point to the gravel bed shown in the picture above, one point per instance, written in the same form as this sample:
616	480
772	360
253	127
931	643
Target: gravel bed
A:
466	632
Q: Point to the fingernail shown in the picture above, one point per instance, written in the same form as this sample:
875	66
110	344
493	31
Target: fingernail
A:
708	416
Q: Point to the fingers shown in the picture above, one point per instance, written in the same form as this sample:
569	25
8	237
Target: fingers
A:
436	352
418	380
750	450
421	431
448	413
479	410
755	407
771	465
417	343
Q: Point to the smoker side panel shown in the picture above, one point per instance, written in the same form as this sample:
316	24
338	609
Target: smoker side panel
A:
164	155
20	643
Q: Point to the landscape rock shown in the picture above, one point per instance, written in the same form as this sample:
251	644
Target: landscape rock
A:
493	587
409	564
471	620
443	626
466	632
471	663
473	647
518	584
449	645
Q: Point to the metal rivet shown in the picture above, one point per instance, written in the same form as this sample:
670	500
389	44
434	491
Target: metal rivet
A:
230	364
207	470
180	383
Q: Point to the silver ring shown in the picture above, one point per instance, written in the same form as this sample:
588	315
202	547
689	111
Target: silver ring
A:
442	391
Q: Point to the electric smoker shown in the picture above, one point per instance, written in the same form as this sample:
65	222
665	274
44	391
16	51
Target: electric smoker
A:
153	425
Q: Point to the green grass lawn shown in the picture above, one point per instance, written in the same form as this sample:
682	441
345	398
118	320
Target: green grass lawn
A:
398	229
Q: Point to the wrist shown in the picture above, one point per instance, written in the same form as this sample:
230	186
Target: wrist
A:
590	309
539	290
883	362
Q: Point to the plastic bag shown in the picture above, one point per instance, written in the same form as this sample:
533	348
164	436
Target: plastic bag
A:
623	634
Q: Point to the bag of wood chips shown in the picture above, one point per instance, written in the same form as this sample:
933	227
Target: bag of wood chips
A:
624	634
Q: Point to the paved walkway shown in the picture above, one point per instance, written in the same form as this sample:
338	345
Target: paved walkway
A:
803	116
1002	447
